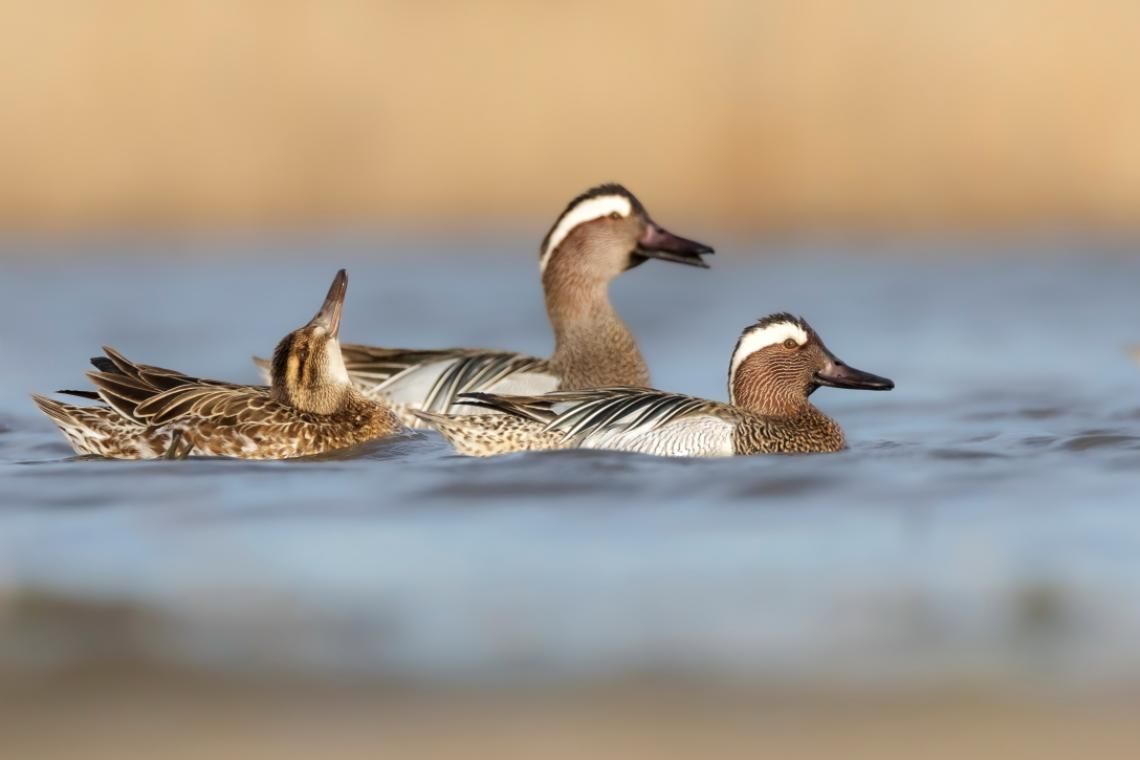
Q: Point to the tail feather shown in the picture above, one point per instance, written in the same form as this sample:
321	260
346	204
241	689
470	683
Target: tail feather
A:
449	427
100	430
58	411
534	408
81	394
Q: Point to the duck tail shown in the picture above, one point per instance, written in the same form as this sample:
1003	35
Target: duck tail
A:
70	421
59	413
451	427
484	435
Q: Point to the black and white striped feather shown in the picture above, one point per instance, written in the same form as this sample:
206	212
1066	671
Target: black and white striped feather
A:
618	415
432	380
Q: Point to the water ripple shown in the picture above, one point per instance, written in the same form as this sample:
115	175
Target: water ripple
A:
1099	440
951	454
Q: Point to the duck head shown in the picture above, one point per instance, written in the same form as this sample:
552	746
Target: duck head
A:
780	361
606	230
308	370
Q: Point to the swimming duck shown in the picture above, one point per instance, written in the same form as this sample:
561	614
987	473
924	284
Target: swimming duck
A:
310	406
603	232
776	365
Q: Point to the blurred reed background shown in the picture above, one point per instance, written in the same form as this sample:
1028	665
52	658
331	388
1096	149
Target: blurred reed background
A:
756	115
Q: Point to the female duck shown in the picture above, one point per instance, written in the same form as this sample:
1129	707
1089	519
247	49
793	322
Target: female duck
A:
777	364
310	407
601	234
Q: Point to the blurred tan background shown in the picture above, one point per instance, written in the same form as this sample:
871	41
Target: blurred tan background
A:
886	115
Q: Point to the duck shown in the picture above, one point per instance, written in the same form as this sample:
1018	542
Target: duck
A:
602	233
777	364
310	406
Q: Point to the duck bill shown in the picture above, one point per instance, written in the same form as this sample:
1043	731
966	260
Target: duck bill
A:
329	315
836	374
658	243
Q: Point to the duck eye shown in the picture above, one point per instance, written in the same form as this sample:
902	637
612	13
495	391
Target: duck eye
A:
615	215
791	343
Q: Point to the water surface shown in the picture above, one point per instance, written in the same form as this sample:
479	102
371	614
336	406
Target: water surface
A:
984	524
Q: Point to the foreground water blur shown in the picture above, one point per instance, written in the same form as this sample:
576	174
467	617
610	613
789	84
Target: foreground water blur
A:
982	530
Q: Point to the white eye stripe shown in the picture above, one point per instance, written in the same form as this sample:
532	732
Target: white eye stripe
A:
760	338
586	211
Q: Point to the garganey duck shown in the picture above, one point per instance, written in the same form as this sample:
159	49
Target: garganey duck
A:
603	232
776	365
310	406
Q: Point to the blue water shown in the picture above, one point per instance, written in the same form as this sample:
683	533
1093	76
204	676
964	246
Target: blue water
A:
985	523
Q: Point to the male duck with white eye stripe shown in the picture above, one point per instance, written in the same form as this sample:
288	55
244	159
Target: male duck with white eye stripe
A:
776	365
601	234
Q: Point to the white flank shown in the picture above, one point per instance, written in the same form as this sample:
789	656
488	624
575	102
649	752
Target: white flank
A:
586	211
762	337
700	436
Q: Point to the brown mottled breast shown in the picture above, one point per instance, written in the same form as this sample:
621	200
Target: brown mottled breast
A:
808	432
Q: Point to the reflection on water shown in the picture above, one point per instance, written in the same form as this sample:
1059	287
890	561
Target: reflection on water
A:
983	524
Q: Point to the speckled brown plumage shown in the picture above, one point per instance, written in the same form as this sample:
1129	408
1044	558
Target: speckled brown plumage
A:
809	431
208	420
483	435
150	412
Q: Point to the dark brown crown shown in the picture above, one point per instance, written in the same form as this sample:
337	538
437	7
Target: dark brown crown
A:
608	188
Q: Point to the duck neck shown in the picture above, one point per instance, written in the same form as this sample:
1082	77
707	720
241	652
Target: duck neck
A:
748	391
324	400
593	347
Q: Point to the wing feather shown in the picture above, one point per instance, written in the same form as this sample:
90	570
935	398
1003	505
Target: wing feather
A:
582	413
474	372
132	389
630	419
158	378
121	392
372	365
234	403
432	380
